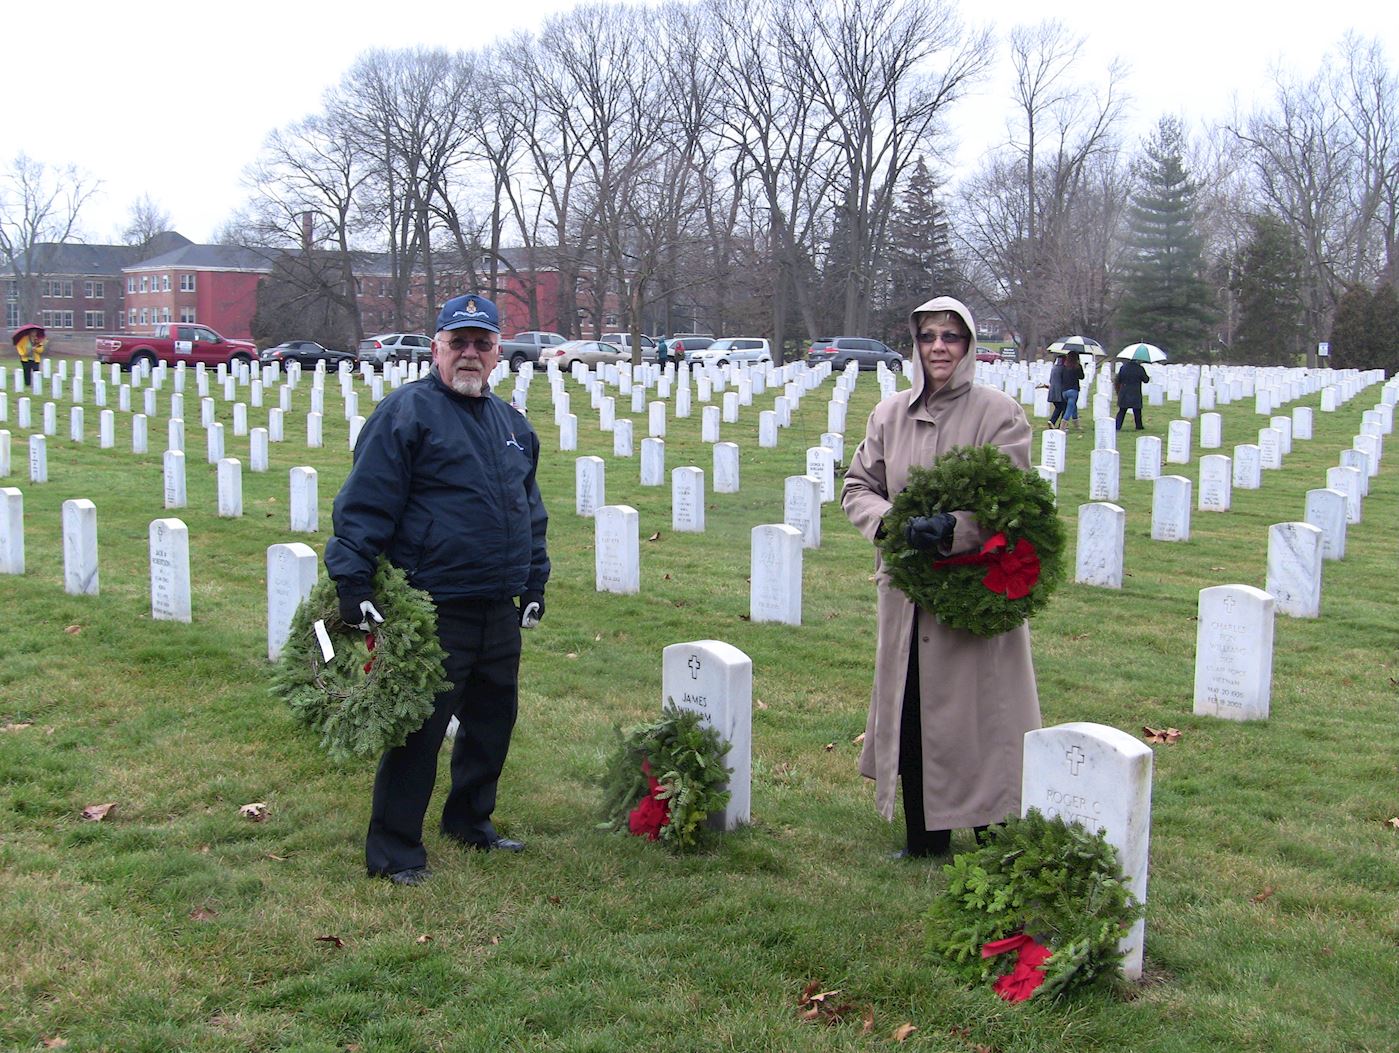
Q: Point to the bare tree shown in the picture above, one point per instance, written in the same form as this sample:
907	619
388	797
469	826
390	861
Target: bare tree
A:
144	220
39	208
1016	212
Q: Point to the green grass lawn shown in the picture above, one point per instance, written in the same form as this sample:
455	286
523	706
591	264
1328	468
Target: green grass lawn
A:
176	924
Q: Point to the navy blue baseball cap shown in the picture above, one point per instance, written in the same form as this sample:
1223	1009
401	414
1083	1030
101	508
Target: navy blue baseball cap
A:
468	312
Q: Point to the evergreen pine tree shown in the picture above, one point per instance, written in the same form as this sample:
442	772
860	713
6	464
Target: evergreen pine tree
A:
918	257
1350	337
1166	300
1382	322
1268	286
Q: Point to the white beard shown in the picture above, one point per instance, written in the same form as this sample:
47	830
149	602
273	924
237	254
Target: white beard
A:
470	386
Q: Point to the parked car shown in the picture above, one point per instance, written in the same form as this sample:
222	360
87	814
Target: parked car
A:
623	340
307	352
733	349
395	347
682	345
840	351
985	354
589	352
526	347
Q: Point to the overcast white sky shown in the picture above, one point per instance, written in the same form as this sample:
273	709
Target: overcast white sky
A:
123	90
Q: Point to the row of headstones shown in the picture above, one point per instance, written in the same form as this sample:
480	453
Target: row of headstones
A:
775	555
79	518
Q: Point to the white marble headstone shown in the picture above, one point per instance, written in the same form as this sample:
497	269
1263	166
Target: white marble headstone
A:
305	514
652	462
80	547
11	530
1170	509
38	459
687	500
1248	467
801	507
169	557
1234	653
715	679
617	549
1148	457
1103	478
726	467
1099	777
590	485
1102	530
820	462
1178	442
230	479
1216	483
775	593
173	468
1294	569
291	575
1326	510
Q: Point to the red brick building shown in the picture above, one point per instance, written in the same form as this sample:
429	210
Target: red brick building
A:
214	285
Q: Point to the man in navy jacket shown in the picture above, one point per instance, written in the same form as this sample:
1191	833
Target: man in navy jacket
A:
443	485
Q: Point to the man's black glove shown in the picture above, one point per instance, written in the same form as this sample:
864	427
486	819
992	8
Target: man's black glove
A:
357	609
531	609
930	533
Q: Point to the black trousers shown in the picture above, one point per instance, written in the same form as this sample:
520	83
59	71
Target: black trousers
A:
920	840
29	368
482	641
1136	416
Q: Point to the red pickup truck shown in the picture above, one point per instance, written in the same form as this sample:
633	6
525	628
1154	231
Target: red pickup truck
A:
175	343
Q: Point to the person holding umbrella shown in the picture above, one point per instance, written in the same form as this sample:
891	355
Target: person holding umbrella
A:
1130	378
30	342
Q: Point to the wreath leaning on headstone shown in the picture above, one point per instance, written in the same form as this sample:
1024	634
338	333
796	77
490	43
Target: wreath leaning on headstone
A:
665	778
1014	573
378	688
1039	909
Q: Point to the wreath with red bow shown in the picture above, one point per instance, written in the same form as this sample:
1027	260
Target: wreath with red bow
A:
1015	571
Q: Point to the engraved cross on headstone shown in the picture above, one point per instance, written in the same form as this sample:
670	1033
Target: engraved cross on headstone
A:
694	664
1075	757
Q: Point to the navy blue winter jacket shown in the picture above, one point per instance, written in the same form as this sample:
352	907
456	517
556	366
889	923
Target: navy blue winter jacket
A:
444	486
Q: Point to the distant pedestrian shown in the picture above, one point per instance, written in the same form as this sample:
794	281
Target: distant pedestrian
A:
1073	377
30	342
1056	390
1128	384
662	350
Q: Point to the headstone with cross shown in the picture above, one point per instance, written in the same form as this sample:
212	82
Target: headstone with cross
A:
715	679
1100	777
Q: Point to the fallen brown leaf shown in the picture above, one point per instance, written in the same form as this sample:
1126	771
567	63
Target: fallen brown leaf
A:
745	617
334	941
869	1020
353	1047
902	1032
555	900
256	812
655	537
54	1043
95	813
1168	736
73	630
276	858
1392	821
829	746
1267	893
17	726
760	703
203	914
495	940
597	637
665	577
571	654
424	938
814	1013
858	739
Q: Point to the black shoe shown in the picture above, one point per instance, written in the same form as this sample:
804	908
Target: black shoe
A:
411	876
505	844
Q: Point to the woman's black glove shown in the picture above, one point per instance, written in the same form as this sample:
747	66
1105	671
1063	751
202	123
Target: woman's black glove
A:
930	533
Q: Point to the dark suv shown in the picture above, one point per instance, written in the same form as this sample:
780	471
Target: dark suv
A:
839	351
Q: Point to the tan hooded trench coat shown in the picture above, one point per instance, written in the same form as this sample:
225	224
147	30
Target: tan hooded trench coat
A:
978	693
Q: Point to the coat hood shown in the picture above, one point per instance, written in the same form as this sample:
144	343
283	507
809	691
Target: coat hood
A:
965	371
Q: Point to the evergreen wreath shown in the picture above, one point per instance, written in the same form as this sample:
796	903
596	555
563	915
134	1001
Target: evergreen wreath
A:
379	687
1016	571
665	778
1051	881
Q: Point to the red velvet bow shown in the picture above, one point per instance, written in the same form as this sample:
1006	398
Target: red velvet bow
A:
653	811
1012	573
1020	983
369	643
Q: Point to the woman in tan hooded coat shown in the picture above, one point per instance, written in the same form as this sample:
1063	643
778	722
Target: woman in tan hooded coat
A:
957	743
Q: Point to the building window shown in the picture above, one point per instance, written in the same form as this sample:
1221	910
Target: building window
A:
56	319
94	319
145	283
57	289
165	283
187	283
165	314
94	290
12	316
121	319
131	285
187	315
145	319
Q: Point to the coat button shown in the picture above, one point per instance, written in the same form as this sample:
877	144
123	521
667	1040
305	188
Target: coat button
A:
925	639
